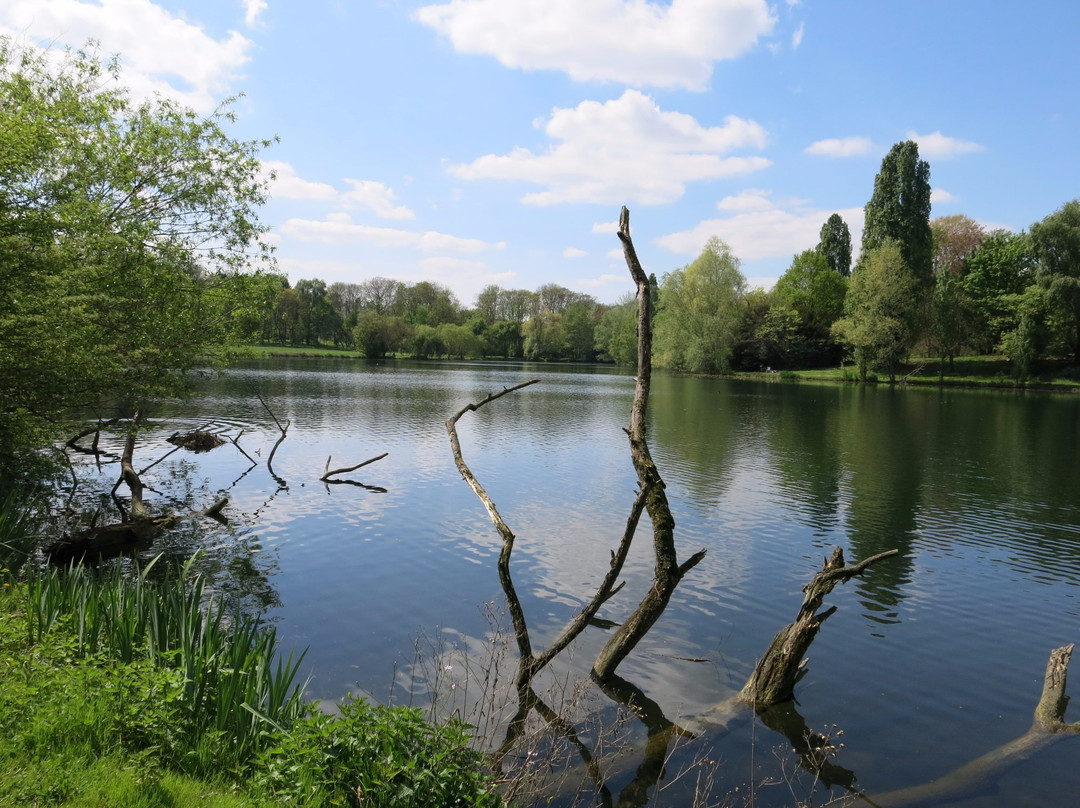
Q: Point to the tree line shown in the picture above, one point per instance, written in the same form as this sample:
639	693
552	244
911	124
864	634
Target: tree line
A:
938	288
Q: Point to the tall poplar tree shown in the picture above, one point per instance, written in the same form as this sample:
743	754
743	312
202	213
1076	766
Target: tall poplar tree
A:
835	245
900	209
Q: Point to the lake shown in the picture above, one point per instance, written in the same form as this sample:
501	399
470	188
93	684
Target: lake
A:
932	658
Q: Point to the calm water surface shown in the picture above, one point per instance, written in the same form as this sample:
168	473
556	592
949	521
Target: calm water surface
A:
932	659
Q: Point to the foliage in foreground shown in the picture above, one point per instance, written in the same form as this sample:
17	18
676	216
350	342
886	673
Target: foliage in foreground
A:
128	232
120	690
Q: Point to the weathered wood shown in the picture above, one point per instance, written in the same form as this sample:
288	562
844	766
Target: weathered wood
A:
529	662
197	440
284	430
327	474
1048	725
667	571
777	672
136	529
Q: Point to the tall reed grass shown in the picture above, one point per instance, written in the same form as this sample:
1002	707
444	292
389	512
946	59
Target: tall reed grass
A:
236	686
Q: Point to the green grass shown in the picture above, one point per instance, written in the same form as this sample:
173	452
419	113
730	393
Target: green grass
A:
966	371
266	351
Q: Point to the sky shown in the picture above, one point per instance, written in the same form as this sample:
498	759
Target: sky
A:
477	142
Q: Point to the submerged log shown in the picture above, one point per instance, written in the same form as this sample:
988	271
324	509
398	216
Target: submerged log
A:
136	530
1048	725
197	440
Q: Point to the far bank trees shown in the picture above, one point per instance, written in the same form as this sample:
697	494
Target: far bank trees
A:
697	323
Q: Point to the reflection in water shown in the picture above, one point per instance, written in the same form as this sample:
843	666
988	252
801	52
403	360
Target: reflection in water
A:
928	663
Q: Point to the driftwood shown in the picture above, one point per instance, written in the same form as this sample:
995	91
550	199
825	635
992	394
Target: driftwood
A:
327	473
530	662
283	430
198	440
667	571
1047	726
137	528
777	672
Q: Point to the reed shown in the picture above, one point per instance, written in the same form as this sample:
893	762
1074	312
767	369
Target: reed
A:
236	686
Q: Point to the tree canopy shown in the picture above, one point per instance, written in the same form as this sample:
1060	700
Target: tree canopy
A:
126	235
879	310
697	323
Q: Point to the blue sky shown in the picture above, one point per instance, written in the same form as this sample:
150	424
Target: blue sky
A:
473	142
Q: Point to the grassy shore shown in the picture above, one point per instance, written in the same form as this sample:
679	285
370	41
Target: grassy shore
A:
989	372
267	351
993	372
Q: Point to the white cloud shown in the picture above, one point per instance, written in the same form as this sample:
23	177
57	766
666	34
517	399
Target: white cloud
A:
763	229
797	37
338	228
599	158
940	196
377	197
162	53
287	184
746	200
466	278
937	146
606	280
841	147
609	228
631	42
574	252
252	10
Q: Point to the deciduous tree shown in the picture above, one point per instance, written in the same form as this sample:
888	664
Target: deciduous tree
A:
697	324
1056	240
880	310
126	230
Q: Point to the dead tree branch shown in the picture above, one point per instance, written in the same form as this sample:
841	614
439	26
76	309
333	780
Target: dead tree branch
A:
530	663
667	571
284	430
783	664
327	474
1047	726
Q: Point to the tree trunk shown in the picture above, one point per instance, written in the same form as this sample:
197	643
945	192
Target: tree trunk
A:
667	571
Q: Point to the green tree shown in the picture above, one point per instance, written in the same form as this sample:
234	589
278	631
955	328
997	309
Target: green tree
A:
835	245
487	303
1025	339
504	338
697	325
880	309
579	329
616	333
900	210
1056	241
318	320
126	232
814	290
995	274
544	336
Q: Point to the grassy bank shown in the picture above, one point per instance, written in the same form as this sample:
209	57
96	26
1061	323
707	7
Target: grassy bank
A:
267	351
992	372
117	689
